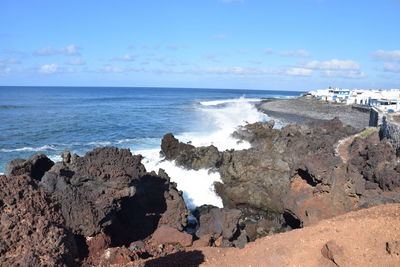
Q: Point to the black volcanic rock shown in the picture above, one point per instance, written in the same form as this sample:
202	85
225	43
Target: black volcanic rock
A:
298	175
109	186
188	156
171	147
34	167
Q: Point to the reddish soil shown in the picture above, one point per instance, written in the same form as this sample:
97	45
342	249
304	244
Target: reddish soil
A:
368	237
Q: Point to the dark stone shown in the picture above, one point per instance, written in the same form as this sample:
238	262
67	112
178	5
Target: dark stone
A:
393	248
34	167
109	186
218	223
171	147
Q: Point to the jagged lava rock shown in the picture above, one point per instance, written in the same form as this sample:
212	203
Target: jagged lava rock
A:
171	147
31	226
110	185
188	156
34	167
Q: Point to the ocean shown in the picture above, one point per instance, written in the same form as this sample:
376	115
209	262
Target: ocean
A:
50	120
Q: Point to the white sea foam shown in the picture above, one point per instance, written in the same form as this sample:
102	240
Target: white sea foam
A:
219	123
99	143
197	186
226	101
55	158
222	122
31	149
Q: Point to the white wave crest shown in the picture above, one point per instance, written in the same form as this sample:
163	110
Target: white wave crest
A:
55	158
30	149
217	124
226	101
222	122
99	143
197	186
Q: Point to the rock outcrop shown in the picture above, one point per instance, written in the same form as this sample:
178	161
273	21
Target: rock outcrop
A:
110	185
90	189
32	231
188	156
34	167
297	176
171	147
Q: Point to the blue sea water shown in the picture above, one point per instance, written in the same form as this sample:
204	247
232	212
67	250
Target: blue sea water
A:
51	120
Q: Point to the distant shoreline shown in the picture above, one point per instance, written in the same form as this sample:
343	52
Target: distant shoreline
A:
300	109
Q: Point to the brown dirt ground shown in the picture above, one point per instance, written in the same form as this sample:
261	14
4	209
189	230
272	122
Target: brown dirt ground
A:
354	239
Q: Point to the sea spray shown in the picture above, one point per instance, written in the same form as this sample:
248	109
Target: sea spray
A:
218	119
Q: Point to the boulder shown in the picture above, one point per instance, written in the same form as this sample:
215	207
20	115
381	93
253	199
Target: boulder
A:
168	235
218	223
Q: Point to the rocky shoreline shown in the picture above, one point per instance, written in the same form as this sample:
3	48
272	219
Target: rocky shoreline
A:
299	110
105	209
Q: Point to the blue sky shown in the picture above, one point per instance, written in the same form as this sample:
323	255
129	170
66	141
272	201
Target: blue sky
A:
248	44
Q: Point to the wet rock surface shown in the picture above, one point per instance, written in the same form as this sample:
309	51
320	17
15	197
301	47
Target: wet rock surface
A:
188	156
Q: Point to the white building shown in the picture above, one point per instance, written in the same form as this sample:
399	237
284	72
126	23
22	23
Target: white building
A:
388	100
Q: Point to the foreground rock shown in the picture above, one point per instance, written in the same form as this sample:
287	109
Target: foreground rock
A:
32	231
100	209
110	185
361	238
219	227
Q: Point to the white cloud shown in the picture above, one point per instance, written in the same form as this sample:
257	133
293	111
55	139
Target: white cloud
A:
295	53
70	50
112	69
48	69
4	70
10	61
220	36
76	61
12	51
218	71
351	74
172	47
126	57
299	72
268	51
334	64
393	55
159	59
390	67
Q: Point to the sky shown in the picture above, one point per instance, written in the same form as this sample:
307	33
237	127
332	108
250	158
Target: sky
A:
238	44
